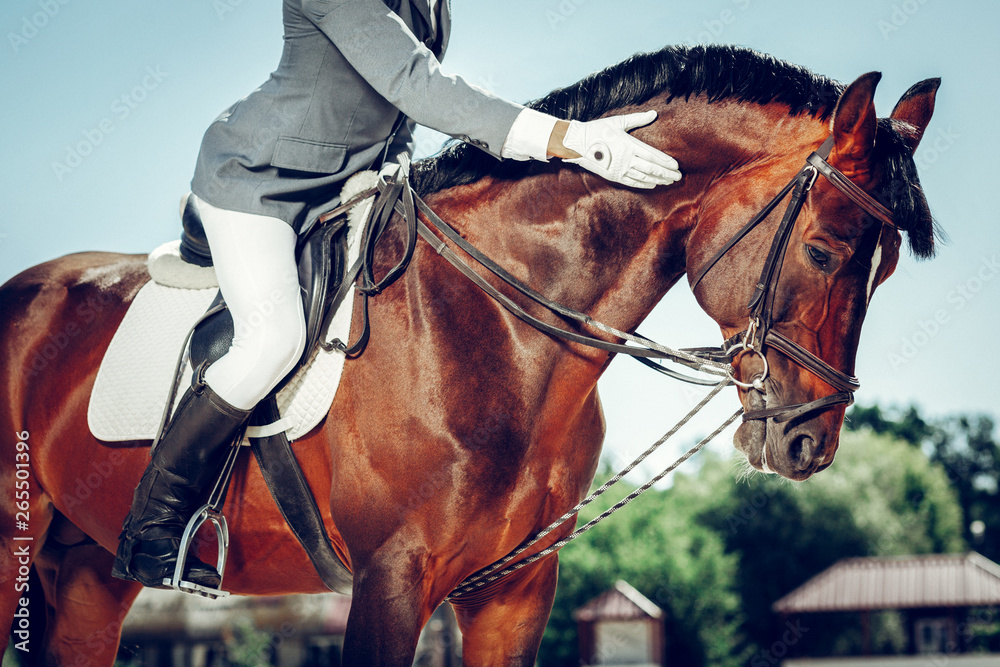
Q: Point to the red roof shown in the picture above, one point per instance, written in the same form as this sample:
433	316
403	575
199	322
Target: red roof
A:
621	603
854	584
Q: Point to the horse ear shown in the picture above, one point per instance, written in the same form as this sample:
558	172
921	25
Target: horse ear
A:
854	121
915	108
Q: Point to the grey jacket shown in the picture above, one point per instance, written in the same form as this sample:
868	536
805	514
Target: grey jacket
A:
348	70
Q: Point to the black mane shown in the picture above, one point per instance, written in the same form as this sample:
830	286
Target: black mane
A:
720	73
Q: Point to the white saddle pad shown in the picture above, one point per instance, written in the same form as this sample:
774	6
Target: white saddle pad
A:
137	371
135	377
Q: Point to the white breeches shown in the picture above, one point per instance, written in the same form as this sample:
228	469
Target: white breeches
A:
254	257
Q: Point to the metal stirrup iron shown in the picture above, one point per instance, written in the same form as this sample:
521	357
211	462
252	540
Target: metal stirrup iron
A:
211	511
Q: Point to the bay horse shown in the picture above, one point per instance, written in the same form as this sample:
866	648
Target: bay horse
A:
461	431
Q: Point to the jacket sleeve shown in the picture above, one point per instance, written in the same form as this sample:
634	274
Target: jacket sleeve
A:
384	51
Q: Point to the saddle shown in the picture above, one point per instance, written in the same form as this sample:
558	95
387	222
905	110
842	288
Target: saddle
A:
325	281
321	257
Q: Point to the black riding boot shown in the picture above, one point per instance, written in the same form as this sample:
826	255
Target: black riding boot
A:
187	458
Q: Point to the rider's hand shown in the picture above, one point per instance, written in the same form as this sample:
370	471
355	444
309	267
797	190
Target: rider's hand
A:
607	149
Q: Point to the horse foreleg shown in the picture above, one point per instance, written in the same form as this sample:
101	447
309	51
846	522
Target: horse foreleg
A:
86	604
503	626
387	611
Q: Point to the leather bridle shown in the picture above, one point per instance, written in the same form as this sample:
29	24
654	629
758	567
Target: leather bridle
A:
396	196
760	332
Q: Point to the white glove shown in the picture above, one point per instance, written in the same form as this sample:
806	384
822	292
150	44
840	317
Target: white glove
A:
609	151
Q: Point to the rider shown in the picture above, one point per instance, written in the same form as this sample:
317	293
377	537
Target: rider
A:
275	161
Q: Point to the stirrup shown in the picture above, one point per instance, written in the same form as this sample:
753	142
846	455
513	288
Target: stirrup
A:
210	511
205	513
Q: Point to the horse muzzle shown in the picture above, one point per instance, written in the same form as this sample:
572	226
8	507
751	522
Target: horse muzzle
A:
792	443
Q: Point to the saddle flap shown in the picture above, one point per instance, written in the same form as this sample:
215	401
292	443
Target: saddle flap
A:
213	336
322	265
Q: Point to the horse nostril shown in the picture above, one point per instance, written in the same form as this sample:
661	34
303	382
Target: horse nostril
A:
800	452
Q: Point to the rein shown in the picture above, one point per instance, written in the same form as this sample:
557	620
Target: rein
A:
489	574
396	196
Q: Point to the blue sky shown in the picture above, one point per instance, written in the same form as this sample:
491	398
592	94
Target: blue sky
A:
105	104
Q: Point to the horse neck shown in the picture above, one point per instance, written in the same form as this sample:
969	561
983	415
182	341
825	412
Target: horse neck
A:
613	252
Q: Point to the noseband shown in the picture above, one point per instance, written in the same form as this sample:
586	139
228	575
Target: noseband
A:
760	332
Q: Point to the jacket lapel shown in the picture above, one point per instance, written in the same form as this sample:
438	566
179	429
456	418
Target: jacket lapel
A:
423	6
436	15
442	9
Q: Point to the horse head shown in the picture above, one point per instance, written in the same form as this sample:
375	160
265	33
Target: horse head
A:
834	256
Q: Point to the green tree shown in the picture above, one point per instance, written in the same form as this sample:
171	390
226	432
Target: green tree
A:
676	563
966	447
970	453
716	551
881	497
248	646
907	425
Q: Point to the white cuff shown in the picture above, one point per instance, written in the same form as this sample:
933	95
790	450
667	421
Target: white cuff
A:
528	138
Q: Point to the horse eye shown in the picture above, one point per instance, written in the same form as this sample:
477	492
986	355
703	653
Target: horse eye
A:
818	256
